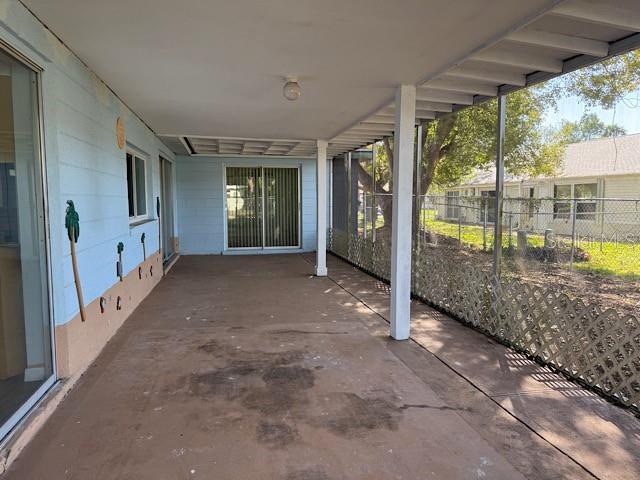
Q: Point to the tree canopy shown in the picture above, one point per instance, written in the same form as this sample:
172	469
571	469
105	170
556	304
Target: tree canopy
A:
589	127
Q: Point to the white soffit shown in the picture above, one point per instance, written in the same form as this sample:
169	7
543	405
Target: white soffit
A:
216	68
573	34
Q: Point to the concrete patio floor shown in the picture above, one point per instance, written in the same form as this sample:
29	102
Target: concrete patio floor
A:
250	368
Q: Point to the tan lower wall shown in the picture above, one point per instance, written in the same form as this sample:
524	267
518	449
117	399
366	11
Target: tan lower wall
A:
79	343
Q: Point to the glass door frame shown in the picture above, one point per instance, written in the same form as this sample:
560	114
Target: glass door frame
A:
297	167
9	426
163	214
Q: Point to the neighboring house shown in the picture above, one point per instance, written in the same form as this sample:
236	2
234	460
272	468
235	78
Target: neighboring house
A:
603	176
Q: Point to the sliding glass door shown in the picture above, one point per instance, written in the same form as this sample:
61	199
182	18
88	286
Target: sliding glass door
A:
26	361
262	205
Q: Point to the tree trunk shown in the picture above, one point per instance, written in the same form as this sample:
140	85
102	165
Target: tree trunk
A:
431	156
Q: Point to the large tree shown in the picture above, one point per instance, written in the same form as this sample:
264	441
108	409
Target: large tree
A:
456	145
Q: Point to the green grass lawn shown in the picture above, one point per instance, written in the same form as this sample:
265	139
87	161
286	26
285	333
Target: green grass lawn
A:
615	259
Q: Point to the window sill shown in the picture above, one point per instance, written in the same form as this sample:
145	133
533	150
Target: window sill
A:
137	223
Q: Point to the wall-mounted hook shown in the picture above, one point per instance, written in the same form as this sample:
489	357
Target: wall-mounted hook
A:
119	303
103	304
144	248
119	264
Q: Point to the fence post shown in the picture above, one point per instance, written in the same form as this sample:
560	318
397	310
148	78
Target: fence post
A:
602	217
510	230
374	205
364	214
459	227
485	205
418	205
573	232
499	200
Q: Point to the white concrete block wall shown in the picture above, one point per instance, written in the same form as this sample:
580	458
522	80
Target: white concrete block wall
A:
200	193
84	163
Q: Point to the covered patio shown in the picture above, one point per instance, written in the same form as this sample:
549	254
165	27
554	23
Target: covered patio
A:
269	372
240	240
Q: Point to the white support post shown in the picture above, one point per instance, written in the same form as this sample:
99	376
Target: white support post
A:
403	161
321	222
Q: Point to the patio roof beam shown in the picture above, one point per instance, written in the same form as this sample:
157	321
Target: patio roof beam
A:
600	14
489	75
427	108
431	95
512	58
462	85
421	114
375	133
579	45
376	127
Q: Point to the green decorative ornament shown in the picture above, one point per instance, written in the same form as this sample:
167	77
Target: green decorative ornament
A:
72	222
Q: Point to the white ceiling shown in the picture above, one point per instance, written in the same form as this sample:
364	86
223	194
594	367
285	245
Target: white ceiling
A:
216	68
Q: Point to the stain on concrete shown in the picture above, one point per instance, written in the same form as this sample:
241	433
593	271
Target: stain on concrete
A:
221	382
291	377
273	401
315	473
277	383
212	346
275	434
356	415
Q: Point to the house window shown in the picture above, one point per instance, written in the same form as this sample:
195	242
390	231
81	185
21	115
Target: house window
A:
585	200
562	208
136	186
585	194
453	204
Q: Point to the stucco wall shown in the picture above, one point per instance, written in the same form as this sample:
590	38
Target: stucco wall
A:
84	163
200	193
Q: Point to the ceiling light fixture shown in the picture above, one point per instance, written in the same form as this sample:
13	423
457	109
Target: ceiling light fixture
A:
291	89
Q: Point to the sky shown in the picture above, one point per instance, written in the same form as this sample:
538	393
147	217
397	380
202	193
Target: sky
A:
625	114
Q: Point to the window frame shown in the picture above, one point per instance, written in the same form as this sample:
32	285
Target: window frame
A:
452	210
581	202
562	202
135	154
572	201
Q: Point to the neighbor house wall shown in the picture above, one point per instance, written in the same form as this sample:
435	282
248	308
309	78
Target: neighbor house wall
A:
201	194
84	164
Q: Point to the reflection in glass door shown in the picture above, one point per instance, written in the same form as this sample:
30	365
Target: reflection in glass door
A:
244	207
262	207
281	207
26	363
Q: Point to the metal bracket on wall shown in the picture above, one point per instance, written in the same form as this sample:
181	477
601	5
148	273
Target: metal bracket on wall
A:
119	263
